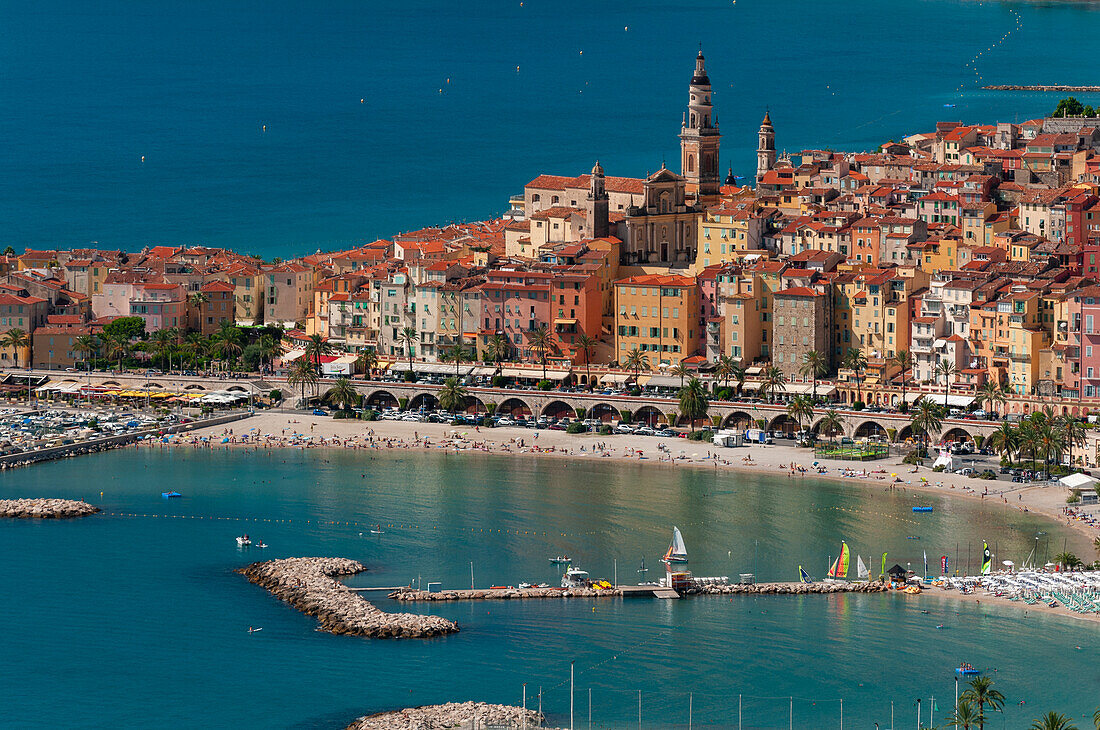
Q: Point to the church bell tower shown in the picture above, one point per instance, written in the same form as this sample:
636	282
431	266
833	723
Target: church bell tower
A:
700	138
765	148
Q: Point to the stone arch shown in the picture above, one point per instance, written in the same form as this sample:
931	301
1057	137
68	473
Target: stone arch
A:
906	432
193	386
868	429
816	428
423	401
558	409
514	407
649	415
154	385
956	433
783	423
381	399
236	389
738	419
111	382
604	412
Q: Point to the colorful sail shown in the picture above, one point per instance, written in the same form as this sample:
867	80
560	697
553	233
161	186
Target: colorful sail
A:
839	568
677	550
987	559
861	570
803	576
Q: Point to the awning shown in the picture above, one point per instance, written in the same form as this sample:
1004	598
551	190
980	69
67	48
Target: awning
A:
291	356
558	375
956	400
482	370
565	321
754	370
797	388
616	378
751	385
664	381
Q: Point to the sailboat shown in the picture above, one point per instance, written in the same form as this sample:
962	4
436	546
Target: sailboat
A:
803	576
677	551
839	569
861	570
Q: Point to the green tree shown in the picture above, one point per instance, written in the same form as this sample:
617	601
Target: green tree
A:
452	396
317	346
773	381
197	299
679	370
457	354
587	345
497	349
227	342
965	716
302	375
925	419
832	423
17	339
118	348
271	347
1069	107
1068	560
343	393
723	369
946	368
800	408
131	328
813	365
1053	721
368	360
637	361
982	694
1005	440
904	361
693	401
856	361
408	337
1072	432
86	345
541	342
991	395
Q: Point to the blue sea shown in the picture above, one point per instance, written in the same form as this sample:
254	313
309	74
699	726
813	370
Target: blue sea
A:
135	618
284	127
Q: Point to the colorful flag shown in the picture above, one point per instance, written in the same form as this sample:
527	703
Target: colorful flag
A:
943	563
987	559
883	564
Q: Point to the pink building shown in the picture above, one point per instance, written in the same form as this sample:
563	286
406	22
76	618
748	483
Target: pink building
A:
160	305
516	302
1089	301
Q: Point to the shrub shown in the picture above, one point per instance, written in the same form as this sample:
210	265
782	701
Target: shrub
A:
486	422
978	441
403	403
635	391
457	422
544	385
343	414
499	381
624	416
938	468
275	395
705	435
410	376
913	457
761	423
576	428
1074	497
857	405
892	434
987	474
580	413
605	430
723	394
370	415
903	407
490	408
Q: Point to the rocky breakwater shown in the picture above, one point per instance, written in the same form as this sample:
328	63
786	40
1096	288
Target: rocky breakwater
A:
796	588
500	594
311	586
45	508
453	714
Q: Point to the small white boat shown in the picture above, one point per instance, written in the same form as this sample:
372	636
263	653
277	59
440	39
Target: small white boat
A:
575	578
377	530
262	545
677	551
243	541
561	560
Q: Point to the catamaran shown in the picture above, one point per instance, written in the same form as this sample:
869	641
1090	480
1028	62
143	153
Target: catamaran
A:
677	551
839	568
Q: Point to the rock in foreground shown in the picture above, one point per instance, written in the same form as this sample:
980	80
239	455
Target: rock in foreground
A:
310	585
45	508
450	715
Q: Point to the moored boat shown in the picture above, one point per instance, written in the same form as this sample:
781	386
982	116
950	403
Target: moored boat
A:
677	550
243	541
561	560
170	495
575	578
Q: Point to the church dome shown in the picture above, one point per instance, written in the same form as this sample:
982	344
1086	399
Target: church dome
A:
597	169
730	179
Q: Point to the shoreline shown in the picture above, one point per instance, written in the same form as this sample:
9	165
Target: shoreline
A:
275	430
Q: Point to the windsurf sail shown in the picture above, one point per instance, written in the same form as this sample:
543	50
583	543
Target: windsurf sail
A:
677	550
861	570
803	576
987	559
839	568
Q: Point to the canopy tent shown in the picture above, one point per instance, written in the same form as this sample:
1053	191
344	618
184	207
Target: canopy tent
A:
1078	481
957	400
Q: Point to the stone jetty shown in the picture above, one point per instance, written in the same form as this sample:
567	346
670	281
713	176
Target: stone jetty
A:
453	715
45	508
311	586
1061	88
504	594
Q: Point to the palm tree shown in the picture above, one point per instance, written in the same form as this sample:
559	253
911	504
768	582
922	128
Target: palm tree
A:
497	349
1005	440
856	361
456	354
368	360
1096	715
342	392
965	716
452	396
118	347
316	348
227	342
739	374
407	336
196	345
17	339
587	345
723	369
1067	560
991	394
197	299
86	345
301	375
680	370
925	419
637	361
693	401
831	424
1053	721
813	364
904	361
162	343
774	379
800	407
946	368
982	694
1073	433
271	347
541	342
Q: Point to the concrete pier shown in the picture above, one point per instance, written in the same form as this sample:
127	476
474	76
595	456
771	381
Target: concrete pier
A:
505	594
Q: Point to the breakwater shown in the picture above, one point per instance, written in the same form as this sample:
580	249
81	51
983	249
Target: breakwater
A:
452	714
503	594
311	586
45	508
1041	87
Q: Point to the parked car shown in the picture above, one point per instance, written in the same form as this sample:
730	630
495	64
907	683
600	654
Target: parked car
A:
624	428
645	431
319	412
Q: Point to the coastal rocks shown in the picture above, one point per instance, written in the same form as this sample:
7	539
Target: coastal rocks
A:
450	715
797	588
310	585
499	594
45	508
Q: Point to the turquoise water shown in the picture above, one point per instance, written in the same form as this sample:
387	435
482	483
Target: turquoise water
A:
139	621
88	89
